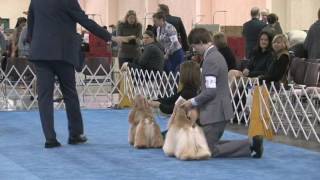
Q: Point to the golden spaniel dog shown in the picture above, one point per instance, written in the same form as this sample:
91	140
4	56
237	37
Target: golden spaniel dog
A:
144	131
185	139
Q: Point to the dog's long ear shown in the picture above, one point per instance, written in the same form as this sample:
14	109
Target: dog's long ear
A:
139	102
193	115
178	114
136	101
146	105
131	116
173	116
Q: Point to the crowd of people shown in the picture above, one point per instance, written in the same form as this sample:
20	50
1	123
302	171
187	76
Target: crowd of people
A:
164	47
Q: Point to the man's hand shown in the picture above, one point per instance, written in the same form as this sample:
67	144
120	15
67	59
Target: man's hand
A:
124	66
187	105
117	39
154	104
131	37
245	72
122	39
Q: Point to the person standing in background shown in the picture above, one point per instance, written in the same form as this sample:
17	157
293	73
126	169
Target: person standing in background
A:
167	36
251	30
264	15
3	49
23	45
312	42
177	23
3	44
55	51
16	35
131	28
273	27
220	41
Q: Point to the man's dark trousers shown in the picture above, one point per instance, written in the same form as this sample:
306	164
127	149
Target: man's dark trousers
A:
46	72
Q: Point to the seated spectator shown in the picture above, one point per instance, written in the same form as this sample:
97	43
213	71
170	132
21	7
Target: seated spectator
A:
277	71
258	64
152	58
189	85
259	61
220	42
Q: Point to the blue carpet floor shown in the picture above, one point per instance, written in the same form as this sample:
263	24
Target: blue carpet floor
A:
107	154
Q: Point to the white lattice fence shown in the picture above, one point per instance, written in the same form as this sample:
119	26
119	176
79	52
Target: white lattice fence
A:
150	84
97	88
17	88
294	111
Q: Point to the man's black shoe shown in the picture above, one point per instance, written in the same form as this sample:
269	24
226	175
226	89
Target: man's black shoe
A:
52	144
77	139
257	146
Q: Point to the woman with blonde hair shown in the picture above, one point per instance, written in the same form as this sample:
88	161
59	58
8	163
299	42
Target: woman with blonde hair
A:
260	123
132	30
279	65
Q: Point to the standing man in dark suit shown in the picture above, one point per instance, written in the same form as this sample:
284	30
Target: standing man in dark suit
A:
252	29
55	51
214	101
312	42
177	23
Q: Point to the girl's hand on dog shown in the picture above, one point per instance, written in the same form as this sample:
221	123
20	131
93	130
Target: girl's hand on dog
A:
154	104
